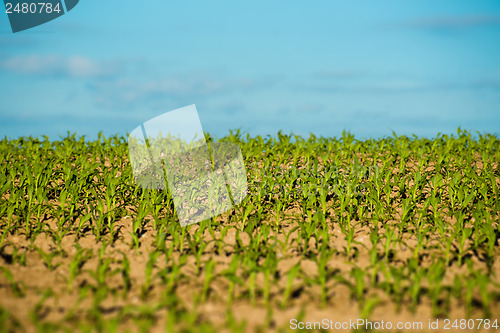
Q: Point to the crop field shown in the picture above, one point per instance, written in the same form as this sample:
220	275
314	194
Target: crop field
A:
399	229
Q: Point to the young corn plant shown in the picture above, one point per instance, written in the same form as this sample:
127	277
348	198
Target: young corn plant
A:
291	275
76	264
146	287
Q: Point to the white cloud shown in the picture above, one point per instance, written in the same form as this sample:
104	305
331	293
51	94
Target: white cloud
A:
126	92
178	89
52	65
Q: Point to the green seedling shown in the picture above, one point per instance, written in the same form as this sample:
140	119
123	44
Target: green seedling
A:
75	266
208	270
48	258
18	288
292	273
146	287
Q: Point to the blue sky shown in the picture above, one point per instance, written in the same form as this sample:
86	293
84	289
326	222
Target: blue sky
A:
369	67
